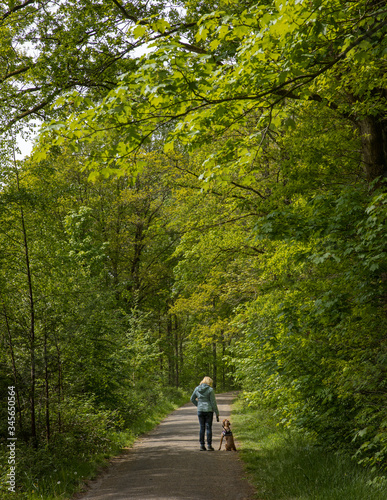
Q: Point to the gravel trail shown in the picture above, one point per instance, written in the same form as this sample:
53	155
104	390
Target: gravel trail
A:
166	464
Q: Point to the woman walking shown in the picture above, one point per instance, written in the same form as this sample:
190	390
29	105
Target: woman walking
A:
204	398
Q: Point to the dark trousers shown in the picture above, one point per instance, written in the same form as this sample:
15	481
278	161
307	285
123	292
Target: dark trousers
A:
205	421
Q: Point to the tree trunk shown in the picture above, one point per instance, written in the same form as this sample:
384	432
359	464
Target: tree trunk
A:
373	132
14	370
60	386
176	350
181	354
161	350
223	356
170	351
46	377
32	322
214	364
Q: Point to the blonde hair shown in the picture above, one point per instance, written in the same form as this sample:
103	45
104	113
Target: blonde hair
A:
207	380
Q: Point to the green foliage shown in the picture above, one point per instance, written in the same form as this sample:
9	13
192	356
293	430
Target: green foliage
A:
248	64
316	336
284	465
90	435
215	207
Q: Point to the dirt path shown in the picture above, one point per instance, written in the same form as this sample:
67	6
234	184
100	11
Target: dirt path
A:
166	464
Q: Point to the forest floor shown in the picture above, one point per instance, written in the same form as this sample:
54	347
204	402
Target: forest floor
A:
166	464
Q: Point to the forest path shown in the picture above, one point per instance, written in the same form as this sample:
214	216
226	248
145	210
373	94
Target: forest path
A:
166	464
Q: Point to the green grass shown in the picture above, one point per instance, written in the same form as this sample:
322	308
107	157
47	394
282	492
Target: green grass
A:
60	472
286	466
66	475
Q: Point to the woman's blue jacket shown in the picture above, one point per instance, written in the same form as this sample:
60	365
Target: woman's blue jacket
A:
203	397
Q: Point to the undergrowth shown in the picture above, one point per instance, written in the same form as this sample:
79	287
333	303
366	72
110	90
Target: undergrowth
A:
59	469
284	465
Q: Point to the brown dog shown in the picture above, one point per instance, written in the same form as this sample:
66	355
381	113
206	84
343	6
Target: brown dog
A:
227	434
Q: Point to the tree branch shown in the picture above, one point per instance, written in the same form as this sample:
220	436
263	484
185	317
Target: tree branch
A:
248	188
16	72
35	108
124	11
193	48
17	7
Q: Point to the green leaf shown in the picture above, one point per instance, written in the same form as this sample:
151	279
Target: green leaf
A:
139	31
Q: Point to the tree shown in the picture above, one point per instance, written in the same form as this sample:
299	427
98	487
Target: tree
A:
222	195
49	49
251	64
83	289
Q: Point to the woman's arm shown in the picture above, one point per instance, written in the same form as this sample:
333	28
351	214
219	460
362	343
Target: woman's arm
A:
194	398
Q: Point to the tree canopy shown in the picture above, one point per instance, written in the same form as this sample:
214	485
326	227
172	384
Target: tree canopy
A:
257	62
215	204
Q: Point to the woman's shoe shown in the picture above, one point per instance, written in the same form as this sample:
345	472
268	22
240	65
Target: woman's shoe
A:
202	447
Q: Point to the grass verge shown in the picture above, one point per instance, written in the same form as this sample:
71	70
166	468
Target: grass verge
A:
283	465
